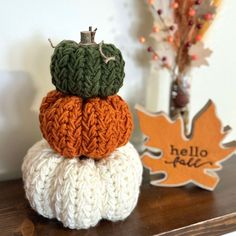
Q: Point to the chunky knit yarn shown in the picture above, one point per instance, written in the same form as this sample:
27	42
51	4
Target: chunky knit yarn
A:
80	69
93	127
79	193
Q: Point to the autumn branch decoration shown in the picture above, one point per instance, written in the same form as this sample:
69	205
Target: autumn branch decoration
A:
178	31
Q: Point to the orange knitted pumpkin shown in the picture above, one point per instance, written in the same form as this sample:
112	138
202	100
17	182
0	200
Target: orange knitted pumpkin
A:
94	127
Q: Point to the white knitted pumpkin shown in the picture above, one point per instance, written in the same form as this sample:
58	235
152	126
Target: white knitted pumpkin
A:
81	192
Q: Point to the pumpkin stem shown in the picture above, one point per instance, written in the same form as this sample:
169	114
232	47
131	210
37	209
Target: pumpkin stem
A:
87	37
93	34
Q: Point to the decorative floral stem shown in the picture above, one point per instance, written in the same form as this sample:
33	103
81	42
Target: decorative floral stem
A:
179	29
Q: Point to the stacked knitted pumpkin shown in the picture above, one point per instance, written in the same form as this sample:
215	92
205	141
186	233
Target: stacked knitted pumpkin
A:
84	169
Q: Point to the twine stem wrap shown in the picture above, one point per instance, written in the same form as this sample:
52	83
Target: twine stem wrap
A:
106	59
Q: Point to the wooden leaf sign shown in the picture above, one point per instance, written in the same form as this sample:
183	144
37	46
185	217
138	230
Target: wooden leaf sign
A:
185	159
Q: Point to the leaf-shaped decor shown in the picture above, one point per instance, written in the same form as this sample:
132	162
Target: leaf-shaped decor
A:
192	159
199	54
206	7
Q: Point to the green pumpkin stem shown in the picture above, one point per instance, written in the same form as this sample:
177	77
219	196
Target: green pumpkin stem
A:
93	35
87	37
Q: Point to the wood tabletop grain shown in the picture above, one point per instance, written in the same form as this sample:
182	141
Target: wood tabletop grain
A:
160	211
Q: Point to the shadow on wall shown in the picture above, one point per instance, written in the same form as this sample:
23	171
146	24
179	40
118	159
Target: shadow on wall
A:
33	56
141	26
21	92
18	124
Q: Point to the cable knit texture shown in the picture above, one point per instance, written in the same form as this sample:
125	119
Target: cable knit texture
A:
93	127
80	69
79	193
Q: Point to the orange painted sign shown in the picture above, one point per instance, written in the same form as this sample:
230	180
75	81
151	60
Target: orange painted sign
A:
193	159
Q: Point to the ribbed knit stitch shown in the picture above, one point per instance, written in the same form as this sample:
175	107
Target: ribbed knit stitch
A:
80	69
85	169
93	127
79	193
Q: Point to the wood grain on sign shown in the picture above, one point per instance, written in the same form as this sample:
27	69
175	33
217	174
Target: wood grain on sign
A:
185	159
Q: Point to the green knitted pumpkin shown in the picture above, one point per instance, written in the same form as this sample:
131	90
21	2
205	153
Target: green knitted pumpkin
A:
83	70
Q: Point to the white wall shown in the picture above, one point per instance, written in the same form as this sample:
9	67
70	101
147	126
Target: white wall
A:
25	57
218	81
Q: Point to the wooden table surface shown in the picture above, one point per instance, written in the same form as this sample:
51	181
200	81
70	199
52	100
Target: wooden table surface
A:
165	211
